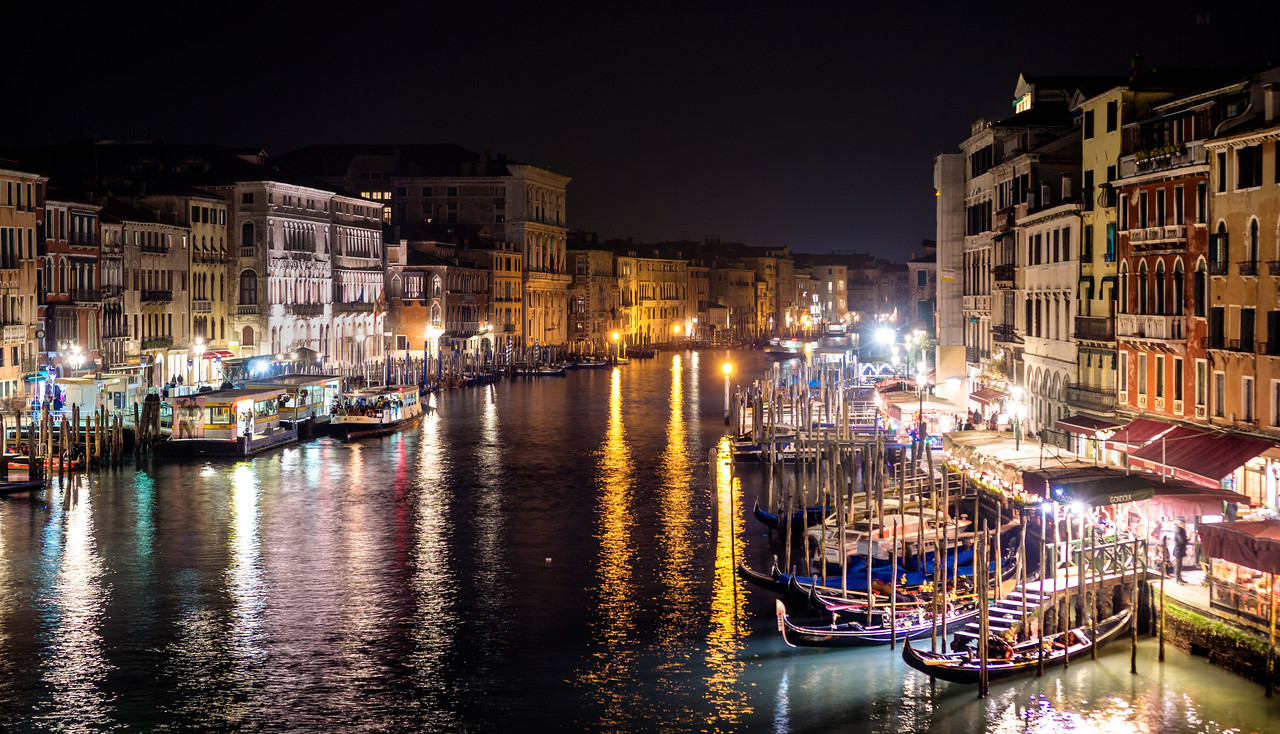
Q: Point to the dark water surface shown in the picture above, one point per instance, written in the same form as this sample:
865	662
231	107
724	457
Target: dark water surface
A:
551	554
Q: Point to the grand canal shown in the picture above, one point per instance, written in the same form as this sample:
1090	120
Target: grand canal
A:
551	554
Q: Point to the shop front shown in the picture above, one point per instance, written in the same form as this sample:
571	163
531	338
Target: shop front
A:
1244	557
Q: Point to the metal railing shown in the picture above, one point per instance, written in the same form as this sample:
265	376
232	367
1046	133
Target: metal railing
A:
157	296
157	342
1217	268
86	295
1089	397
340	307
1249	267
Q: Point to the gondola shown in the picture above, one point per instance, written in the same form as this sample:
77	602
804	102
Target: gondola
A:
1024	658
913	624
766	581
814	515
542	371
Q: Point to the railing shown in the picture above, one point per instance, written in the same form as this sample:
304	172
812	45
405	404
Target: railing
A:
1213	342
202	305
157	296
1186	155
1003	273
1088	397
86	295
29	364
15	332
1249	267
307	309
112	291
1273	267
353	307
248	252
1239	345
115	333
154	249
1003	333
1150	326
1096	328
209	257
508	329
157	342
247	309
1270	348
1217	268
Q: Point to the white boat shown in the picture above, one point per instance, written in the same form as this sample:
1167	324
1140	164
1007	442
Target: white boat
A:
375	411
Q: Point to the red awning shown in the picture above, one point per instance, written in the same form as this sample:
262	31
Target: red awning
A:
988	395
218	354
1086	425
1137	434
1202	458
1252	543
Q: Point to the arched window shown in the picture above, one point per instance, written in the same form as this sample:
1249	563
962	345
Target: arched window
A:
1161	298
248	288
1200	287
435	286
246	337
1178	297
1253	241
1143	306
435	314
246	234
1124	288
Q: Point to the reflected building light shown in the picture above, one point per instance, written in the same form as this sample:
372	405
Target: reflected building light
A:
728	623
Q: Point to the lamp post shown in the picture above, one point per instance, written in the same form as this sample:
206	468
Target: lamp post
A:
616	353
728	370
199	350
76	360
1018	411
920	379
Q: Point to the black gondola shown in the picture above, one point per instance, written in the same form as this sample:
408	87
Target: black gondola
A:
815	515
915	623
1022	658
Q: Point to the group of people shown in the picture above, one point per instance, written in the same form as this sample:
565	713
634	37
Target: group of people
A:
361	406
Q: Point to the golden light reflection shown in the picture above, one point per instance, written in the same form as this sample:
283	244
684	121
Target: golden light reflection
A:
612	675
727	634
488	468
78	667
676	527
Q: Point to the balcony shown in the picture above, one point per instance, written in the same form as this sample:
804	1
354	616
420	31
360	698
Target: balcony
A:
1095	328
15	332
86	295
155	249
112	291
1004	333
157	342
209	257
353	307
1152	239
29	365
1162	158
248	252
306	309
1239	345
157	296
202	305
1273	267
1248	268
507	329
1003	274
1150	326
1217	268
250	309
1269	348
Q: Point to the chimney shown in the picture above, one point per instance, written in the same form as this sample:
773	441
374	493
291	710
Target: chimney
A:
1268	102
1136	64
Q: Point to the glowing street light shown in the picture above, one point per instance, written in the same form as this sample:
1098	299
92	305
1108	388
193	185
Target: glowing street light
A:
885	335
199	350
727	368
76	360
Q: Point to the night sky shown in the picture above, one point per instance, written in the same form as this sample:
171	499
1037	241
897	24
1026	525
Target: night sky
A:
778	124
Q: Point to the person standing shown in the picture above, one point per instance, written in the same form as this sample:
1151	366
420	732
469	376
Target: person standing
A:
1179	549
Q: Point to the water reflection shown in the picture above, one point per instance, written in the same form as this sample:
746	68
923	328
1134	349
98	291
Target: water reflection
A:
611	677
726	637
76	664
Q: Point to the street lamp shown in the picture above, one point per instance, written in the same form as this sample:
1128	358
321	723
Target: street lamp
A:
1019	410
199	350
76	360
728	370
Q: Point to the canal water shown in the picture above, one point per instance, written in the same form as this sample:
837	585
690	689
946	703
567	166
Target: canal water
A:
539	555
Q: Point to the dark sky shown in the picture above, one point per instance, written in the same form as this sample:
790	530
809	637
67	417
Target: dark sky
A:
780	124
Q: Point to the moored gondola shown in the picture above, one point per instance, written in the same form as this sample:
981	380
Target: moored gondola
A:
798	518
1015	660
911	624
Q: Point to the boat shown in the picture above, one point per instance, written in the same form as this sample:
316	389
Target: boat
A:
913	623
591	363
541	371
375	411
812	515
878	533
1022	658
638	353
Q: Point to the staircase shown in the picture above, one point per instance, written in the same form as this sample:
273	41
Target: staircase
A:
1004	615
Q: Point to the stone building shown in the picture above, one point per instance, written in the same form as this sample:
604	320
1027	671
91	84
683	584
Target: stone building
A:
71	300
593	300
21	223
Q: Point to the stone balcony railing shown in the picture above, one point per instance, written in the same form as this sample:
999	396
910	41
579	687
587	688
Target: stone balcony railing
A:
15	332
1150	326
307	309
201	305
1096	328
